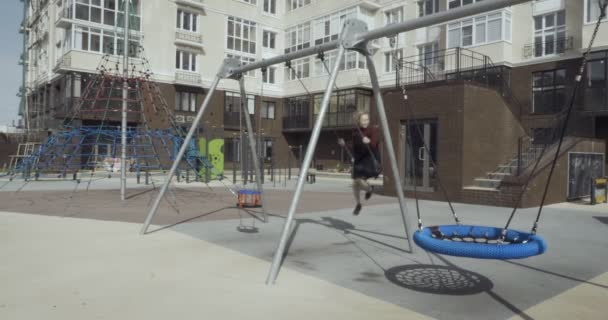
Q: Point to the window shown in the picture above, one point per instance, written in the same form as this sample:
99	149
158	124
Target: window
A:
548	91
426	7
297	38
270	75
270	6
299	69
108	12
254	2
328	28
233	103
390	65
268	109
458	3
480	30
596	82
295	4
187	20
394	15
185	101
101	41
269	39
343	104
241	35
550	34
185	60
244	61
427	54
351	60
297	106
593	10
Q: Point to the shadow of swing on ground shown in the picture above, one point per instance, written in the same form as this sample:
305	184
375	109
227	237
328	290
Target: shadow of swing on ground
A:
438	279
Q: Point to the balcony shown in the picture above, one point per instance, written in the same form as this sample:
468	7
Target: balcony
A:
548	48
188	78
296	122
64	64
337	119
197	4
453	64
191	39
65	15
233	120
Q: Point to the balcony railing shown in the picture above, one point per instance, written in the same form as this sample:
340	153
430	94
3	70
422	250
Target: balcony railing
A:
187	77
452	64
296	122
548	48
189	37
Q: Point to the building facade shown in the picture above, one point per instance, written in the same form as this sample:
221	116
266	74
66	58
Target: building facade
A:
483	91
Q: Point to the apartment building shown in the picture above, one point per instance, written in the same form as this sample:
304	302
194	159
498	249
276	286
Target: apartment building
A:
484	92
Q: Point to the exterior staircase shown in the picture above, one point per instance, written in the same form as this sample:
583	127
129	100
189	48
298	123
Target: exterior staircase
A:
528	153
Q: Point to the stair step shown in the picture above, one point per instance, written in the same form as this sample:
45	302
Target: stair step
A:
487	183
498	175
480	188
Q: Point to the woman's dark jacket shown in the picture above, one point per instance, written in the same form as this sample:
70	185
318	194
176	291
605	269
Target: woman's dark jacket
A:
366	157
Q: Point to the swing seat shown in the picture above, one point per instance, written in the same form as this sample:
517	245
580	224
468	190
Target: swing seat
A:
249	198
479	242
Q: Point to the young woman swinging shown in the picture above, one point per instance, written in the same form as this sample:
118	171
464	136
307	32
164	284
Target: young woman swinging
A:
365	156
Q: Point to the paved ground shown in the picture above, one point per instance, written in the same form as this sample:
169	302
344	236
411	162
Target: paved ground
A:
338	266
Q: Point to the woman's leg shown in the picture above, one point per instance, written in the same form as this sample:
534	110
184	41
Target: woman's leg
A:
357	190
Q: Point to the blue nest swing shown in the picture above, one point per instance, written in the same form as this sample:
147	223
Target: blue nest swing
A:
479	242
483	242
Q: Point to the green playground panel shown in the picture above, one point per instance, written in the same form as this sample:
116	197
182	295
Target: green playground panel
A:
216	156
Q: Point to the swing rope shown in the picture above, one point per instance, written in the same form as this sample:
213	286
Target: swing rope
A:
394	42
603	4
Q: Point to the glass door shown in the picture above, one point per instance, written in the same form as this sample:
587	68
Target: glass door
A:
420	154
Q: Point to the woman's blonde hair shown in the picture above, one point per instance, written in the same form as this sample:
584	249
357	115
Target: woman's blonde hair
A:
357	116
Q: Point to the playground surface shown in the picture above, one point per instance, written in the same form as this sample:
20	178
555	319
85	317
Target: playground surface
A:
79	255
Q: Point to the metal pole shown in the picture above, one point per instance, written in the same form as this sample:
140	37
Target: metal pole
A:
388	140
180	155
252	145
310	150
235	151
125	96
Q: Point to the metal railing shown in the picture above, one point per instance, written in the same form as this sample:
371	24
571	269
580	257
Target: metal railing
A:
296	122
451	64
546	48
528	152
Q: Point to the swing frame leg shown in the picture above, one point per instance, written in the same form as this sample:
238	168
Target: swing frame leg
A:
348	41
225	70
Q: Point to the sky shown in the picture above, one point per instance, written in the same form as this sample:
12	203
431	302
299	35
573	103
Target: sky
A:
11	14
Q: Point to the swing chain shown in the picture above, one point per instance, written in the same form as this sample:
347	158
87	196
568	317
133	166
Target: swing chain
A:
394	44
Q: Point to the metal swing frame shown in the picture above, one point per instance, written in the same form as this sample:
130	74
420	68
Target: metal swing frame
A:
354	37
